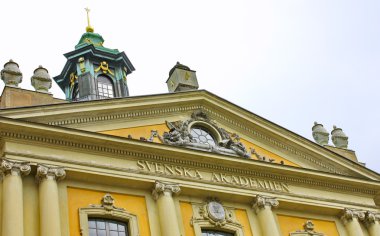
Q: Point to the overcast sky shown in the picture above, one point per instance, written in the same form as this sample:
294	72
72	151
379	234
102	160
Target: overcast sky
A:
290	61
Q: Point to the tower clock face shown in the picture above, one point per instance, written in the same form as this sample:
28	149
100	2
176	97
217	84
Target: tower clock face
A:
216	211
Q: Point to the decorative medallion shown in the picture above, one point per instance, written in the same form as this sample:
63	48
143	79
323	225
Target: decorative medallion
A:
216	211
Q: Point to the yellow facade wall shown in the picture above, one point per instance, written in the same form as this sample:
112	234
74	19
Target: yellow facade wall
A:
266	153
137	132
289	224
242	218
145	131
78	198
187	213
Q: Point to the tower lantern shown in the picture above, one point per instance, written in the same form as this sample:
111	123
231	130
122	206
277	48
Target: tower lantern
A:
93	71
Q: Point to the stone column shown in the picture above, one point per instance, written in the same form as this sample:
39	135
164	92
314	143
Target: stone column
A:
350	219
263	208
50	222
372	221
163	194
12	202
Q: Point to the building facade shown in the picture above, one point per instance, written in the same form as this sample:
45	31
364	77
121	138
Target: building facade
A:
183	163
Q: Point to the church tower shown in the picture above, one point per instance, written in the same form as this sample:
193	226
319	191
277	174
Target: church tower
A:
93	71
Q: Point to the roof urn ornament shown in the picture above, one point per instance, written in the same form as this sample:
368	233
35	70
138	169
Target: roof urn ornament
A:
339	138
11	74
41	80
320	134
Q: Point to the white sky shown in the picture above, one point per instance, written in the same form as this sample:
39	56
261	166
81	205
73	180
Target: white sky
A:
290	61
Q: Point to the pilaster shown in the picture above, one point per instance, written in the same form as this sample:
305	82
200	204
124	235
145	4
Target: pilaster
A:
12	196
47	176
163	194
263	209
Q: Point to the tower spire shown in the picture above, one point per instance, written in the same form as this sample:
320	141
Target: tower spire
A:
89	28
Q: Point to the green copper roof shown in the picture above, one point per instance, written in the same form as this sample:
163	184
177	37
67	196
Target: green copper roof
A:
96	40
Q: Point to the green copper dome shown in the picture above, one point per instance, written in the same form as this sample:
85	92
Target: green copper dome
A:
96	40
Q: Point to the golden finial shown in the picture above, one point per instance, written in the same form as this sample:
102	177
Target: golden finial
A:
88	28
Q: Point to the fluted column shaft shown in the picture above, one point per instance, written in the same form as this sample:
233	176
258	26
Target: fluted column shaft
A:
351	219
50	222
372	221
163	194
263	208
12	202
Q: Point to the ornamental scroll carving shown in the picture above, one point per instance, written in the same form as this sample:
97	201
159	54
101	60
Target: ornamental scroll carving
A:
50	172
308	230
351	214
9	167
371	217
226	143
263	201
213	214
107	203
161	188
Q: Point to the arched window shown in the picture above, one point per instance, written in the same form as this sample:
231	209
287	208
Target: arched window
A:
105	87
202	135
105	227
215	233
107	220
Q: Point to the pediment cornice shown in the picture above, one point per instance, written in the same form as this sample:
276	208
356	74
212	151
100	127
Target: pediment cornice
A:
87	142
255	127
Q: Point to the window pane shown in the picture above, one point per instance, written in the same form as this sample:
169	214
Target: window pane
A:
92	232
100	225
122	234
91	224
113	226
121	228
102	233
114	233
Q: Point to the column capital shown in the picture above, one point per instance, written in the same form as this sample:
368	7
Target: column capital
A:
50	172
162	188
371	217
350	214
10	167
262	201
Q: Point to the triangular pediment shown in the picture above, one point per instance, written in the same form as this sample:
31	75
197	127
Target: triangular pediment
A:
169	119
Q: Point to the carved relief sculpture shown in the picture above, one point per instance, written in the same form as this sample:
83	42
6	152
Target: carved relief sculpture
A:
226	143
308	230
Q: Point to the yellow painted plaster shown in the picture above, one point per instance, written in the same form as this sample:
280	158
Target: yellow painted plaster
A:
187	213
289	224
145	131
137	132
78	198
266	153
242	218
